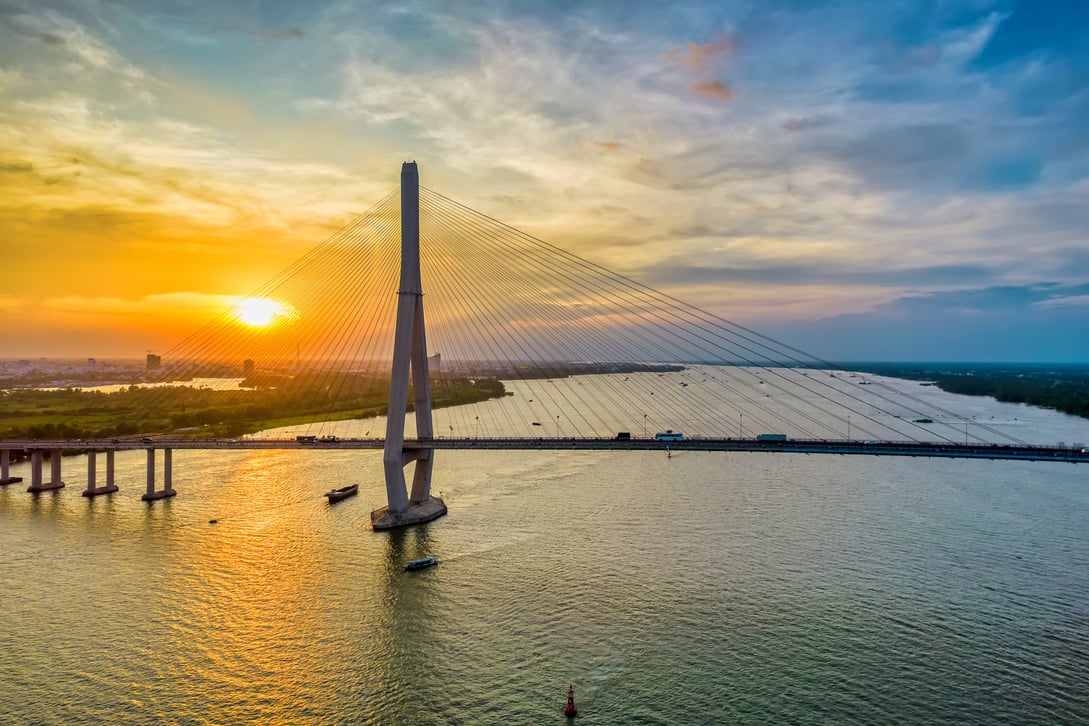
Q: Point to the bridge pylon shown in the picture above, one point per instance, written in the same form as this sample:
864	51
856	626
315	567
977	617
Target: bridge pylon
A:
409	355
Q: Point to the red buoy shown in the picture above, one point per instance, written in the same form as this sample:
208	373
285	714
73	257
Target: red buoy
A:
569	710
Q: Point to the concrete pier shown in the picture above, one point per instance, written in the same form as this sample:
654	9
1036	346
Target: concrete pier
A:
36	483
425	511
168	490
109	487
5	465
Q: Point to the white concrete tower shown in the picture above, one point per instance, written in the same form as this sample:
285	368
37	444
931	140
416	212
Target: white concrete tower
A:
409	353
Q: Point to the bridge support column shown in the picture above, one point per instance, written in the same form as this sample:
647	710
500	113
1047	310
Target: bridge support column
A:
167	490
35	471
168	469
409	355
36	483
92	463
5	464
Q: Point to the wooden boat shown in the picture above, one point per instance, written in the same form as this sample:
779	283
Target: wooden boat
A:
422	564
335	495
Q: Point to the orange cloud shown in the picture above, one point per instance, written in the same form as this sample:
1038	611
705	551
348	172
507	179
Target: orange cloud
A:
610	145
716	90
698	57
699	60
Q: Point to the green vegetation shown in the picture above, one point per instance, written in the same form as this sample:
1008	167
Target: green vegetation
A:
1064	388
207	413
270	399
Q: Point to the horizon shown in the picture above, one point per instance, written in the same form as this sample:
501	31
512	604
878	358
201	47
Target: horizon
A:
840	365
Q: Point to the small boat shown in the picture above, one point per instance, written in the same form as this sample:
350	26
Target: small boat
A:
422	564
335	495
923	420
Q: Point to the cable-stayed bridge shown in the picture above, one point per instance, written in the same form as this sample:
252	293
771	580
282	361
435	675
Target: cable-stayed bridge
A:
525	346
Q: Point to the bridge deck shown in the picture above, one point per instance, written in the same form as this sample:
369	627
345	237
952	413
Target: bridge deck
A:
794	446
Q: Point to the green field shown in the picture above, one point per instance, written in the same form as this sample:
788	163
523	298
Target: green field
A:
186	411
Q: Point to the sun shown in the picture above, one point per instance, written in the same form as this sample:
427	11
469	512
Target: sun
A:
260	312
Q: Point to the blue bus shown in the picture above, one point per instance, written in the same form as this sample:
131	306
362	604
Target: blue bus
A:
669	435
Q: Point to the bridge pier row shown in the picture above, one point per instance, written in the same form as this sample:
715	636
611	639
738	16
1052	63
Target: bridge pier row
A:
168	489
36	483
92	462
5	473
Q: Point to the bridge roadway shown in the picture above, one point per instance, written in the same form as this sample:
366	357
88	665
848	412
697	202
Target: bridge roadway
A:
1078	454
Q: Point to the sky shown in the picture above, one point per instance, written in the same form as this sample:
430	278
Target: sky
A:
867	181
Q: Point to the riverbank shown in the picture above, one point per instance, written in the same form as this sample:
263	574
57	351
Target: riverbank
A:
1060	387
208	413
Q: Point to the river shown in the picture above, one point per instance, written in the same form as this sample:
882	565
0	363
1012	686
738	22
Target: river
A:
701	588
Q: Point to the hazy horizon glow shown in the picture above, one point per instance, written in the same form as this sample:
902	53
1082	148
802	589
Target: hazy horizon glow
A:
903	180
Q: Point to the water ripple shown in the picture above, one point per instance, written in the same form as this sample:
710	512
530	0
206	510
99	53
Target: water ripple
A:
698	589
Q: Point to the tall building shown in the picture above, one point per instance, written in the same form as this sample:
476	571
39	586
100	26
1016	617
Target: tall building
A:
153	361
434	363
247	367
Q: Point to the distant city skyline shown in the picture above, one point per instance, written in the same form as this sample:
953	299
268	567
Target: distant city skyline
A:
866	181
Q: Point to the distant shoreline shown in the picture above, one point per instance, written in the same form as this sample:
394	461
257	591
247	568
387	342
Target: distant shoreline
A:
1063	387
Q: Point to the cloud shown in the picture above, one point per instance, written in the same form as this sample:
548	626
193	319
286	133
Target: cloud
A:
907	154
1069	300
715	90
285	34
113	326
991	299
818	272
802	123
699	60
148	305
48	38
610	145
160	166
997	323
698	57
7	167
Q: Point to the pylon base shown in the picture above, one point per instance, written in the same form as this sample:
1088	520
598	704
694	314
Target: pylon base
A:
48	486
10	480
425	511
100	490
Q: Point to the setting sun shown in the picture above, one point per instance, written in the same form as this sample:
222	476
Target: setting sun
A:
261	312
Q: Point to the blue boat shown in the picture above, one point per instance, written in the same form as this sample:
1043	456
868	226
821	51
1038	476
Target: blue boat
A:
422	564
